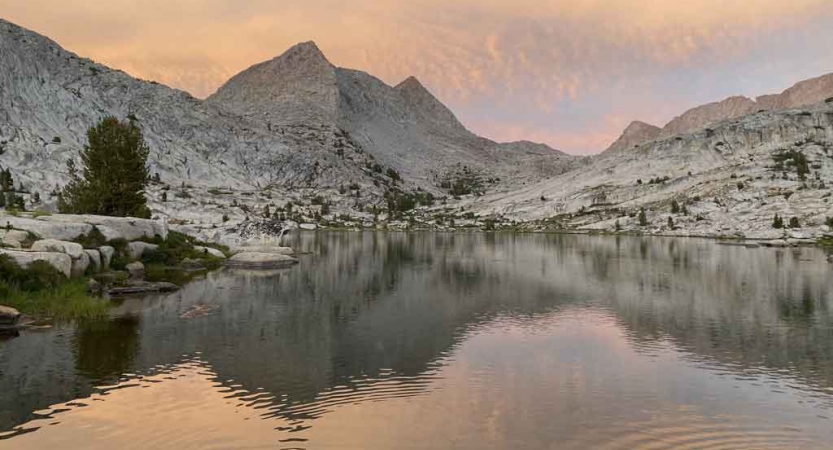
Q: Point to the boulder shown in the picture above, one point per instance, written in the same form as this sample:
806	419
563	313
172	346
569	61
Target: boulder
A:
142	287
265	248
136	271
308	226
211	251
94	287
137	249
13	238
193	264
107	254
256	260
8	316
95	259
72	249
80	266
128	228
63	231
60	261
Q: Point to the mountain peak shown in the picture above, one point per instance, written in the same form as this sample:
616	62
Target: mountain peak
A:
636	133
305	49
433	114
410	83
299	85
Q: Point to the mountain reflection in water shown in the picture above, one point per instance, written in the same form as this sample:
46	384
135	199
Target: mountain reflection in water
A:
430	340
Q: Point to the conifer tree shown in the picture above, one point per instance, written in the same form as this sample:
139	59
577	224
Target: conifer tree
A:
643	218
114	173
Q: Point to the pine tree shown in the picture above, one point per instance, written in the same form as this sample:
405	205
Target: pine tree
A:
675	207
643	218
670	222
114	173
6	181
2	199
794	222
777	222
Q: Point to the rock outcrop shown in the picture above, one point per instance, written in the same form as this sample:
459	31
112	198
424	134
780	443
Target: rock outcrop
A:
254	260
635	134
802	94
294	121
61	261
732	178
59	232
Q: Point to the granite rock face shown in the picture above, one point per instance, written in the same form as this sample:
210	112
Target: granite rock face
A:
802	94
255	260
294	121
61	261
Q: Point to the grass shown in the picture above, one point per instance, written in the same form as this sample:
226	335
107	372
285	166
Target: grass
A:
166	262
66	302
826	242
40	290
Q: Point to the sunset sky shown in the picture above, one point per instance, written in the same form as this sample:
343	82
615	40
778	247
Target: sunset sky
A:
570	73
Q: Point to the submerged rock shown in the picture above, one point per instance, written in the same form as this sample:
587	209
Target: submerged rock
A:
256	260
142	287
266	248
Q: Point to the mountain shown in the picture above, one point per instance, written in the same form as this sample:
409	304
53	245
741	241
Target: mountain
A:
294	133
294	122
405	127
804	93
49	97
636	133
732	178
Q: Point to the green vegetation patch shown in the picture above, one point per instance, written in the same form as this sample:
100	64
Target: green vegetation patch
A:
42	291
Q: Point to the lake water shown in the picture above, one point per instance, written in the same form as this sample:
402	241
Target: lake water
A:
463	341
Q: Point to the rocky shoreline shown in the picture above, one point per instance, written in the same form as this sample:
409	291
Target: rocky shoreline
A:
112	253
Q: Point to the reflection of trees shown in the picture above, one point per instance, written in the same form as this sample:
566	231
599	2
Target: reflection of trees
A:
105	350
367	306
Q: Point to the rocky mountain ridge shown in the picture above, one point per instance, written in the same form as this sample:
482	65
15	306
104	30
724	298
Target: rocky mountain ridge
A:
804	93
293	122
405	126
300	140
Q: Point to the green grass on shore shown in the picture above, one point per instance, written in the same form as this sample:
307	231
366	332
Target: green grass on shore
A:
67	301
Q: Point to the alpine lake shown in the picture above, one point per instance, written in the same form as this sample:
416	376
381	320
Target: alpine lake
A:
448	341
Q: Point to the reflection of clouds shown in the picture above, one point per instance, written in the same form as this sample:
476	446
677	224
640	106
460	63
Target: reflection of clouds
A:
527	53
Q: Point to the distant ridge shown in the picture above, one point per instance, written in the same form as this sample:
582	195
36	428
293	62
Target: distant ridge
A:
803	93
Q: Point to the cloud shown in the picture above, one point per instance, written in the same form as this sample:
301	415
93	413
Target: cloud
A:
542	60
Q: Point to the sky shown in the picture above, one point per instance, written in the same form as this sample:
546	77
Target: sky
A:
569	73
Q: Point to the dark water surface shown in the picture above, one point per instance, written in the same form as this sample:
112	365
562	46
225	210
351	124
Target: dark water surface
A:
463	341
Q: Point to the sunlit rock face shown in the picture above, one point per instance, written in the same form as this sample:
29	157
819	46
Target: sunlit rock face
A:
404	127
297	127
802	94
733	178
292	122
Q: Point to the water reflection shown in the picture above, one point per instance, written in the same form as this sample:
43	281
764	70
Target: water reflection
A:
493	338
